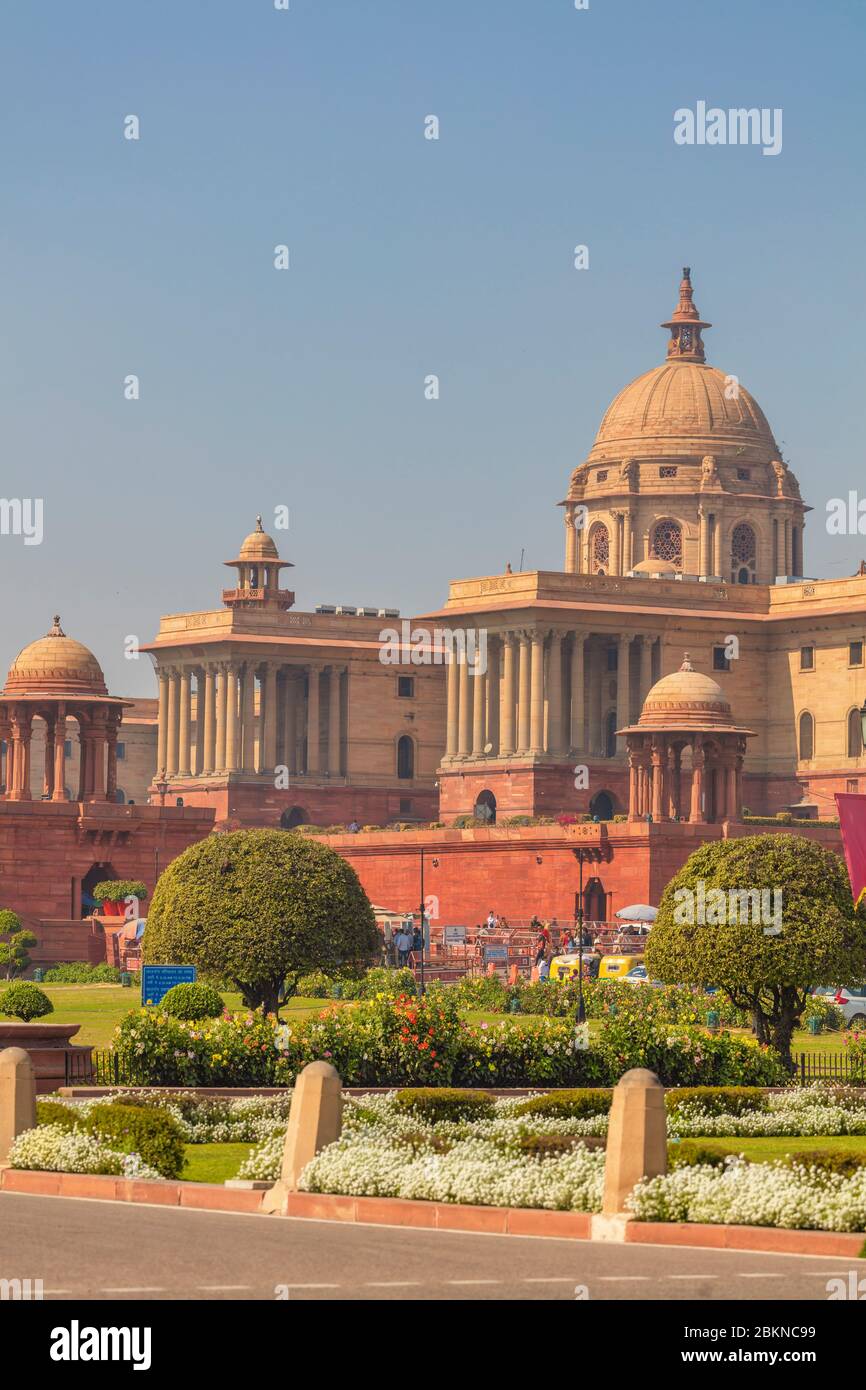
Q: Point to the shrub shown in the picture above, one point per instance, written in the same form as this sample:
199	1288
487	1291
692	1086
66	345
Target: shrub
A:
443	1103
54	1112
828	1014
552	1145
81	972
192	1000
316	985
133	1129
14	943
846	1162
25	1001
718	1100
114	890
692	1153
52	1148
567	1105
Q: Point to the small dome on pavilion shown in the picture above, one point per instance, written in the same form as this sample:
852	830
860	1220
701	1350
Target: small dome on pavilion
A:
686	699
655	566
55	665
259	545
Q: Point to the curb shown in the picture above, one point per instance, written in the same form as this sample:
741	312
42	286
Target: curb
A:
439	1216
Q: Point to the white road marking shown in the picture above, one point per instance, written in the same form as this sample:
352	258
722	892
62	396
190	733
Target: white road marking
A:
392	1284
473	1281
143	1288
623	1278
744	1275
548	1279
312	1286
691	1276
222	1288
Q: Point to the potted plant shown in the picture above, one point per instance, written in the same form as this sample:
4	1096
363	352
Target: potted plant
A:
113	892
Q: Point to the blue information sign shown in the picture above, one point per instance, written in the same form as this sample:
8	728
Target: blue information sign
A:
157	980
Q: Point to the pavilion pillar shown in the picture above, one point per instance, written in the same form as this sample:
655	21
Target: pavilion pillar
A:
623	686
633	813
198	760
452	679
20	757
162	724
184	718
334	729
658	751
48	760
536	695
673	782
555	743
313	721
577	736
479	693
83	757
696	812
59	752
731	808
507	696
207	762
717	547
627	542
171	746
269	736
111	767
230	682
615	551
704	564
248	717
571	538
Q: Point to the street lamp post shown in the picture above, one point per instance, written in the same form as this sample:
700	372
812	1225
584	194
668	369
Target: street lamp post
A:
591	856
422	921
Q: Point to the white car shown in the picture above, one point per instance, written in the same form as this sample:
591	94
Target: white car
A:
638	975
851	1000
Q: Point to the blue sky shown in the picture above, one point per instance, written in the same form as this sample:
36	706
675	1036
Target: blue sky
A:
408	257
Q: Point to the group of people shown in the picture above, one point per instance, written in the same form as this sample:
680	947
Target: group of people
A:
405	946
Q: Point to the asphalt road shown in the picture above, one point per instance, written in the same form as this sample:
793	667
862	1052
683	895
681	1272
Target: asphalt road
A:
109	1250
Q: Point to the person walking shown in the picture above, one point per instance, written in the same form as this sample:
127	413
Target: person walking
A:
403	942
544	968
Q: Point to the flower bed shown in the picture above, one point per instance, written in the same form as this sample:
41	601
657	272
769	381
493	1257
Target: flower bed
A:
56	1149
788	1195
411	1042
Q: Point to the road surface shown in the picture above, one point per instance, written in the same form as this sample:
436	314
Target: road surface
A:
110	1250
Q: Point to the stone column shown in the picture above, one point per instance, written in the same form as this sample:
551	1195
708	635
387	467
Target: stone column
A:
536	695
290	742
162	724
571	537
623	686
615	552
627	543
478	684
492	685
17	1098
696	812
506	696
97	781
524	686
313	719
59	753
183	769
673	782
597	672
632	785
83	758
555	740
111	768
717	545
248	718
48	760
200	711
334	722
636	1140
231	683
452	677
221	717
577	732
731	809
269	738
464	717
646	667
704	541
788	565
171	746
207	761
658	779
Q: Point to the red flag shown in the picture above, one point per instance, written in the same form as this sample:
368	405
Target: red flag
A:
852	820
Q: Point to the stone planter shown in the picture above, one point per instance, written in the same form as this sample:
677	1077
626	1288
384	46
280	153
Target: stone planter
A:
49	1045
113	909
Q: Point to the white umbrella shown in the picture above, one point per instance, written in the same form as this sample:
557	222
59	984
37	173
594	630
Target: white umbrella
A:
638	912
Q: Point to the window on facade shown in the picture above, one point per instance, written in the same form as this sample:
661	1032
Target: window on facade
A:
807	737
668	470
599	545
720	661
121	752
405	806
67	748
743	475
807	658
855	736
405	758
406	687
855	653
743	551
120	795
667	542
852	785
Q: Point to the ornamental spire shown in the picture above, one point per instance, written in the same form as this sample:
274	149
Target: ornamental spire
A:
685	325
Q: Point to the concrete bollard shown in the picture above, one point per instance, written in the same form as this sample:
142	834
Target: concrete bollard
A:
636	1147
17	1098
315	1120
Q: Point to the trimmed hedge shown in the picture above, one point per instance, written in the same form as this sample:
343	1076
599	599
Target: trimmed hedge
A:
568	1105
689	1153
25	1001
433	1104
719	1100
192	1000
153	1134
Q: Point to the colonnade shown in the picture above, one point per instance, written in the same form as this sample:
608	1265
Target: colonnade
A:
242	715
97	726
546	691
711	789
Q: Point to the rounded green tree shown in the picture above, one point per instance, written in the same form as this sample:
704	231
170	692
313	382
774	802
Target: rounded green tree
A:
260	908
766	918
14	943
25	1001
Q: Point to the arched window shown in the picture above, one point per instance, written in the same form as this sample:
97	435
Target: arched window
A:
292	816
744	549
855	737
405	758
599	549
667	542
485	807
601	806
807	737
120	795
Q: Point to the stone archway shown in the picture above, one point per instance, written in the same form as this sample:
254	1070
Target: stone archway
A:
485	807
292	817
602	805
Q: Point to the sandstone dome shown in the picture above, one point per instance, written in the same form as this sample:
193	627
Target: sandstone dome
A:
258	545
55	665
686	699
682	407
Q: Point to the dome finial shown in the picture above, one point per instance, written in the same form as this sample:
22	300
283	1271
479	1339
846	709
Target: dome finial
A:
685	324
56	630
687	663
259	526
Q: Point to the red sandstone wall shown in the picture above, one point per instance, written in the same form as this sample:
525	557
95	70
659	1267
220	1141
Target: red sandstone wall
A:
257	804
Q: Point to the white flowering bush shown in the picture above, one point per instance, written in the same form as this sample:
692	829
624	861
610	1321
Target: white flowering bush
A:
794	1197
810	1110
57	1150
207	1119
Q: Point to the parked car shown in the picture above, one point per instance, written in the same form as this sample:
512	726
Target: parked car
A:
639	975
851	999
617	967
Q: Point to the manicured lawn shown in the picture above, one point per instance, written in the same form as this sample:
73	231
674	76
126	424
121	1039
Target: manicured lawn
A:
213	1162
782	1145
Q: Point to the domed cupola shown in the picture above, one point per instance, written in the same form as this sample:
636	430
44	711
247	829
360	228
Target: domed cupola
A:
258	565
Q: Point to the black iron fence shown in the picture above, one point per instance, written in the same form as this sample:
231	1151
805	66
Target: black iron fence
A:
830	1066
102	1067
